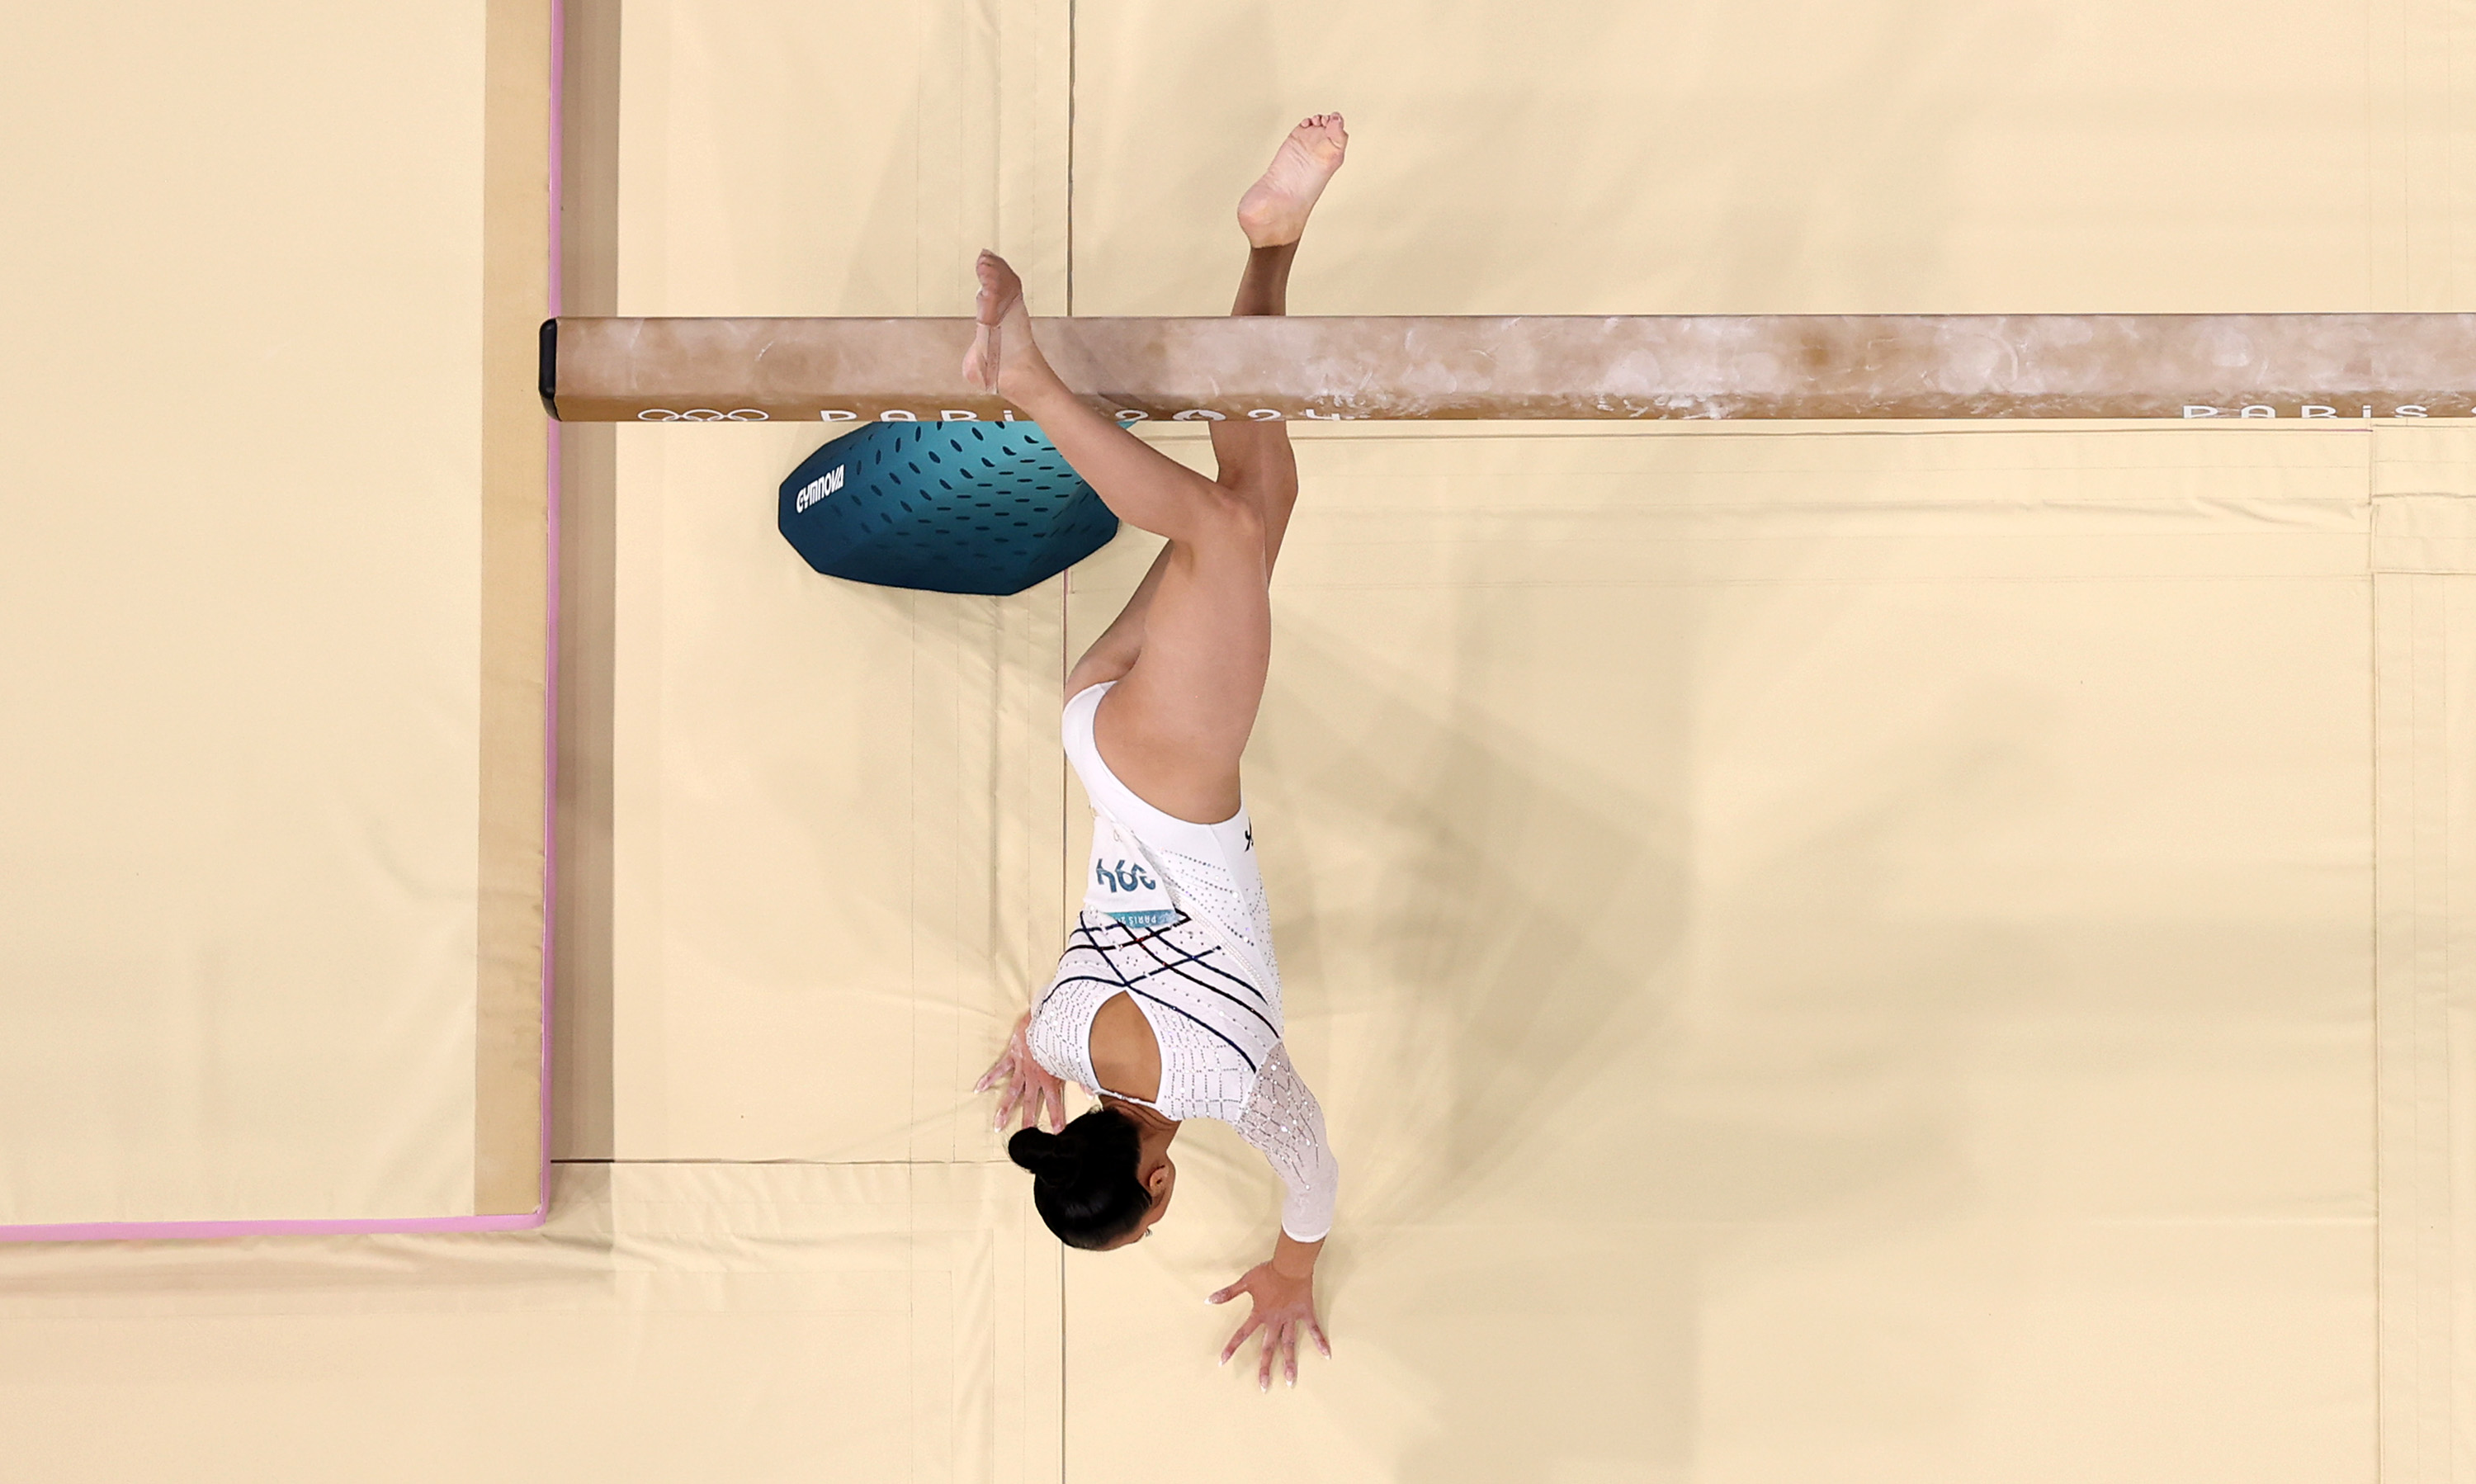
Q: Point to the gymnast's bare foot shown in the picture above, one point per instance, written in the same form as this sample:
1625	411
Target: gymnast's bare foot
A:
1274	210
1001	346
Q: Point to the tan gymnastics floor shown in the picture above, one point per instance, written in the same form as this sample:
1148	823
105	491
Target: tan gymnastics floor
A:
1854	954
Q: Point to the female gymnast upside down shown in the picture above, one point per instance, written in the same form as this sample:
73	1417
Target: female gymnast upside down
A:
1167	1002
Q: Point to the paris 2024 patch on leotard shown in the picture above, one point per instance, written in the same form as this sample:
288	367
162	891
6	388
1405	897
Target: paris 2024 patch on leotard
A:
1123	884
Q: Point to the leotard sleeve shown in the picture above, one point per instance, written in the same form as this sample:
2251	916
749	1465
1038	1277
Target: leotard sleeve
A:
1283	1121
1061	1034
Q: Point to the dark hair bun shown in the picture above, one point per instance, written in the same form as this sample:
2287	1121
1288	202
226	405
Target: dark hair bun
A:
1083	1180
1048	1157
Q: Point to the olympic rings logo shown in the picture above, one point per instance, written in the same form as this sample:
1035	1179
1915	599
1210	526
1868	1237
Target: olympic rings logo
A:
1254	414
700	416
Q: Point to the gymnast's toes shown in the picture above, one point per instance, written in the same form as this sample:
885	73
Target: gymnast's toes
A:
996	347
1274	210
998	283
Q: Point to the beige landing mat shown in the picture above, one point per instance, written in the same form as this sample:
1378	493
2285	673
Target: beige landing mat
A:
272	669
1823	956
674	1321
837	809
1848	957
1803	156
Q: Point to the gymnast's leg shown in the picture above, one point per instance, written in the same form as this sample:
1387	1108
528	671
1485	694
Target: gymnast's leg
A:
1256	467
1173	729
1253	459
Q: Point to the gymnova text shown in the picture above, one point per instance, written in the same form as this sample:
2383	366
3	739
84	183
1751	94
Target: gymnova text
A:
817	489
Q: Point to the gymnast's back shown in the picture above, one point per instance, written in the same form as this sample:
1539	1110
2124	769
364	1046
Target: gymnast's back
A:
1176	917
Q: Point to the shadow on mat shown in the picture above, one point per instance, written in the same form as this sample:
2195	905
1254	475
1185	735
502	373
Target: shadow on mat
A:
1533	1007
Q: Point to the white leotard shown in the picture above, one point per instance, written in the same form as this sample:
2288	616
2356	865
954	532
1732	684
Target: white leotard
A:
1207	984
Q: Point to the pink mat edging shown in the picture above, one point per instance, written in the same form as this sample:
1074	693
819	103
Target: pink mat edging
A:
553	469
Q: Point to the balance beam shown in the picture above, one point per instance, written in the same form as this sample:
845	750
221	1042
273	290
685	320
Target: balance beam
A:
1635	366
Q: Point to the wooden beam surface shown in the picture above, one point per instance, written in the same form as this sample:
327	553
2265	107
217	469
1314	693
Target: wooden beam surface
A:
1521	367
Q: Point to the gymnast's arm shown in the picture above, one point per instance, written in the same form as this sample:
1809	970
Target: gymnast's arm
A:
1284	1121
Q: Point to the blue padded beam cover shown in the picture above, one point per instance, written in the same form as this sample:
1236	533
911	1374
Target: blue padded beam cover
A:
948	508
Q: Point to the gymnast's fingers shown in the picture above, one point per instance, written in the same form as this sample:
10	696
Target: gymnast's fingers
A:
1264	1351
1012	1095
1252	1325
1315	1327
1290	1353
1225	1295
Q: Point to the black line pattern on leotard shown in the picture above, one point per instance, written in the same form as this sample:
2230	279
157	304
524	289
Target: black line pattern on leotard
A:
1179	968
1206	1025
1145	937
1121	981
1211	1056
1199	959
1128	985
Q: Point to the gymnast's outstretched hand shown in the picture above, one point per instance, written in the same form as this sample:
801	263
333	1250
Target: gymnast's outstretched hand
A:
1285	1293
1026	1084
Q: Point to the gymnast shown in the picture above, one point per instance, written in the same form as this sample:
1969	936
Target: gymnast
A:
1167	1001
